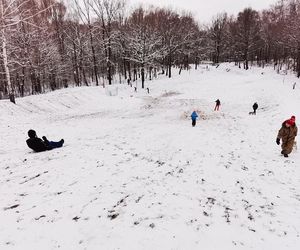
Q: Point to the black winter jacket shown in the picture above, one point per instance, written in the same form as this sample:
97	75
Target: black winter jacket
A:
255	106
37	144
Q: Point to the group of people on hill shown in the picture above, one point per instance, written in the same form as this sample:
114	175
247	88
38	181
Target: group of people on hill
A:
194	114
286	134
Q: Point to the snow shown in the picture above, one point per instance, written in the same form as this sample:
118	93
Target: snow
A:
134	173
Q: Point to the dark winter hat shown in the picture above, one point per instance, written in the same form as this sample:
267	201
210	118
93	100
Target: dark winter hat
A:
31	133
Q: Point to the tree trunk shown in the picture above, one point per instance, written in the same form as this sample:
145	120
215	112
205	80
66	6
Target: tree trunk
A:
94	59
109	56
23	82
129	70
76	71
150	73
134	74
246	65
180	70
125	71
143	76
81	66
218	54
298	61
11	91
170	66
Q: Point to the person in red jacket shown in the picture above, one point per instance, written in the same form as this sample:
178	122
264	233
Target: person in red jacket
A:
39	145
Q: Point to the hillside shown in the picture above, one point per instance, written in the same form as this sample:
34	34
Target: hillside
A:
134	173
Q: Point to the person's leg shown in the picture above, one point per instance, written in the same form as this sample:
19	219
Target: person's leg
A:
54	144
193	123
286	148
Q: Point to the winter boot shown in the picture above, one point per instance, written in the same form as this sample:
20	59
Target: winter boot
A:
285	155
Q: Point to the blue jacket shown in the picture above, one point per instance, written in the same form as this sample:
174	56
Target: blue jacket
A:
194	115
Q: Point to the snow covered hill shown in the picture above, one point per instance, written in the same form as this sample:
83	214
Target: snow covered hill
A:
134	173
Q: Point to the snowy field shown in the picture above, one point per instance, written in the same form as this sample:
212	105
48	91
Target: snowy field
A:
134	173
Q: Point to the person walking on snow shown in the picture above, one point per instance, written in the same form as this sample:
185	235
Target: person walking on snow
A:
194	116
218	103
39	145
255	107
287	134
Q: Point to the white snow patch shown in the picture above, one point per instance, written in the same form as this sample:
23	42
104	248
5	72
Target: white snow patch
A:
134	173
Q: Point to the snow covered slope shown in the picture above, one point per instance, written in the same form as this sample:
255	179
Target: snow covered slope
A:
134	173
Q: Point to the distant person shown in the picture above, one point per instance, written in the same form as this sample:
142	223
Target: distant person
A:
287	134
39	145
255	107
218	104
194	116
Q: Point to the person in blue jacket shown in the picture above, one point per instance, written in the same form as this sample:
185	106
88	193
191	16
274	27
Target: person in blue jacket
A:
194	116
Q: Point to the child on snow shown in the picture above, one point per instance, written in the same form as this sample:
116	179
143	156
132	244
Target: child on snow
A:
194	116
39	145
255	107
287	134
218	103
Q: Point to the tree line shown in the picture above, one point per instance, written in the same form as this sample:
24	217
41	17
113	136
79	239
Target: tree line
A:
52	44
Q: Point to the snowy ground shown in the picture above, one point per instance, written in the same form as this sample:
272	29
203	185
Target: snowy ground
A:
134	174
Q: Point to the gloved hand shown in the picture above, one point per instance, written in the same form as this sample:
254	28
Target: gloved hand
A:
278	141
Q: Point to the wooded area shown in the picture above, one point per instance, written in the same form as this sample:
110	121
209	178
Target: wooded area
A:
50	44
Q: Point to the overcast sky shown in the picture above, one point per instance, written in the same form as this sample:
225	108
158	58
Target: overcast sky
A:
204	10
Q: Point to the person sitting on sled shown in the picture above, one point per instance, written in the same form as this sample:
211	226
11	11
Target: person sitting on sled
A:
39	145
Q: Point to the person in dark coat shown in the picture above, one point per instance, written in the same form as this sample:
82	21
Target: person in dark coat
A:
255	107
218	103
194	116
39	145
287	134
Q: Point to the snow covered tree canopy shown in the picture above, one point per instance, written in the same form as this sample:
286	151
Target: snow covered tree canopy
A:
51	44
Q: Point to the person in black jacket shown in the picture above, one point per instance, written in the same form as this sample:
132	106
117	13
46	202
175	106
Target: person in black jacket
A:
218	103
255	107
39	145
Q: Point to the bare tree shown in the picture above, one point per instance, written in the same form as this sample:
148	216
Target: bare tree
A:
85	12
144	43
108	12
12	13
218	33
247	35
